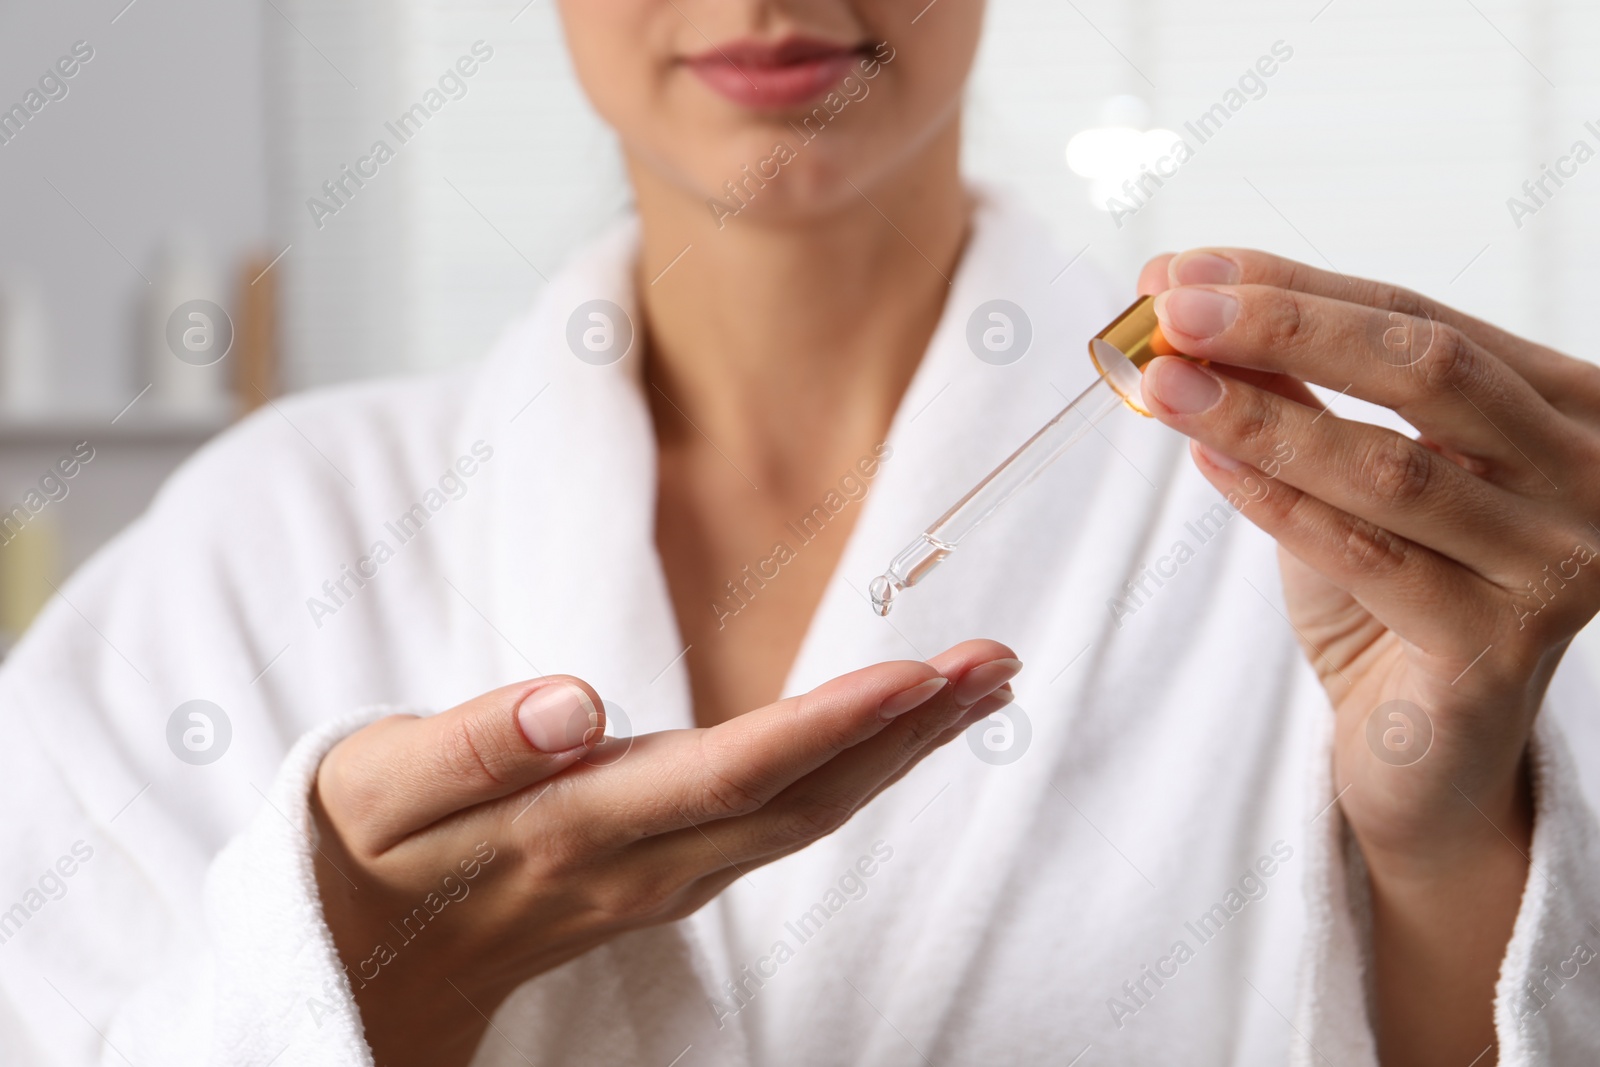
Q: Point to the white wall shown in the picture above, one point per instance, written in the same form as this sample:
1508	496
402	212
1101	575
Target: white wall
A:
428	260
1389	143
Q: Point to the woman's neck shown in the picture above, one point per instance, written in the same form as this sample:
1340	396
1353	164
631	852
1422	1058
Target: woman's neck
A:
788	345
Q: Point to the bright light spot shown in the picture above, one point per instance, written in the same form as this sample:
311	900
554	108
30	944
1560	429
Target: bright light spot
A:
1115	151
1111	155
1101	151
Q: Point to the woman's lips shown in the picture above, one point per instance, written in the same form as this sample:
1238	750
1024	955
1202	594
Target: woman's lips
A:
786	74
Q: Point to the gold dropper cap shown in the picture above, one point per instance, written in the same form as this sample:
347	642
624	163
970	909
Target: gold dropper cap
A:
1121	350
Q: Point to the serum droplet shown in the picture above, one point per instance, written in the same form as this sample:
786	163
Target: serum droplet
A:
882	593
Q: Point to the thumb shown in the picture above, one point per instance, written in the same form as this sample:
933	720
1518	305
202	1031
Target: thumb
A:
404	773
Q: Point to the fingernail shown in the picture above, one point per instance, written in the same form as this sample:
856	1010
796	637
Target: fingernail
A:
914	697
991	704
1180	386
1203	268
1196	312
1227	463
557	717
984	679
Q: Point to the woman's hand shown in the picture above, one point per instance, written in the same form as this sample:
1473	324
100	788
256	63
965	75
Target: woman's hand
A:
464	853
1433	583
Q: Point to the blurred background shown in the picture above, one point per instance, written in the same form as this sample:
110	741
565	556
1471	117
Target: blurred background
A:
186	187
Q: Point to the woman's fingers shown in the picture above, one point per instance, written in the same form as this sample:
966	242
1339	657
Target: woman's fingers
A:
1366	471
1399	581
681	778
1439	380
686	778
823	800
1551	373
1154	277
831	789
403	773
977	713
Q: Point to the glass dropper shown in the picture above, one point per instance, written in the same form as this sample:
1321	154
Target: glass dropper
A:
1119	352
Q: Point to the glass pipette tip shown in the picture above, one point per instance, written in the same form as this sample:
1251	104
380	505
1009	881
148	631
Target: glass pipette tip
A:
1119	352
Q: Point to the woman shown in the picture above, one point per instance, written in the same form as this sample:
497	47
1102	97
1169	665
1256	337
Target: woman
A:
1188	840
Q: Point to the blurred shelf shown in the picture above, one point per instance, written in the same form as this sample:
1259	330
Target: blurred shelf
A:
72	427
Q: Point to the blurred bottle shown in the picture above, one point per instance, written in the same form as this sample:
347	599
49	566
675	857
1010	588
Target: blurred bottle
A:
30	569
26	389
255	358
187	333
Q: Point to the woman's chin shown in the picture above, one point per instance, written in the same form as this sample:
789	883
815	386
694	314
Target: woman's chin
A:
779	186
782	203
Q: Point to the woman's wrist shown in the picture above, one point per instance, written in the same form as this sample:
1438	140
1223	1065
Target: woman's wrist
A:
409	1011
429	1025
1473	830
1444	905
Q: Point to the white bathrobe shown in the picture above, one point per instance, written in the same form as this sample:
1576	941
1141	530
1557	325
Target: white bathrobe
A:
1142	865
